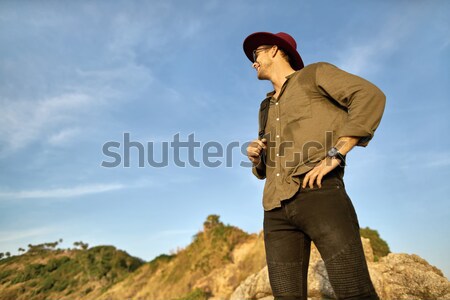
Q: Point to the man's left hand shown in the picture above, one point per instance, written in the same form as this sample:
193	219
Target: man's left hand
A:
322	169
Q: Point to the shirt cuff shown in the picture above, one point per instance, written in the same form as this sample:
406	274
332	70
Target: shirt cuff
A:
259	171
364	134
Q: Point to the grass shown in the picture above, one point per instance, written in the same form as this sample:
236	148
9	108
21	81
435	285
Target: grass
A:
78	271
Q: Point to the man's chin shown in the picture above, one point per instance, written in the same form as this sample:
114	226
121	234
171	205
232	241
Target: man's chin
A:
261	76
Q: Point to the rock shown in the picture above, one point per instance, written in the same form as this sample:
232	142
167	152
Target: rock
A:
246	258
404	276
318	284
396	276
256	286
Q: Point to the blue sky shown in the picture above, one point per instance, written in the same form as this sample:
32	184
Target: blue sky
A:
75	75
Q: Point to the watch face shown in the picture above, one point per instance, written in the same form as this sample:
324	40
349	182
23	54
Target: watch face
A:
333	151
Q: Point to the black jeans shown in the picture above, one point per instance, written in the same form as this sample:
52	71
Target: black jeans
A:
325	216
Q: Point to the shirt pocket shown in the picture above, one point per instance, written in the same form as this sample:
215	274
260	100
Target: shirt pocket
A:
297	108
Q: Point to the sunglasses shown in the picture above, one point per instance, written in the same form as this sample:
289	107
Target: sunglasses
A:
257	50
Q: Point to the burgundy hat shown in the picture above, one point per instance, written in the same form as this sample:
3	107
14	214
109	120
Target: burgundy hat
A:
281	39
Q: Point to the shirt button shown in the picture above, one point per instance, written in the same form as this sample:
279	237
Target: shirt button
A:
278	119
278	154
276	103
278	136
278	174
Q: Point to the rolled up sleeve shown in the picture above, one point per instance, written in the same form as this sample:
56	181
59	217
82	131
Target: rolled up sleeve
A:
363	101
259	171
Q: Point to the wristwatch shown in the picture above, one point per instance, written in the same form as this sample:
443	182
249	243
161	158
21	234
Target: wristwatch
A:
334	153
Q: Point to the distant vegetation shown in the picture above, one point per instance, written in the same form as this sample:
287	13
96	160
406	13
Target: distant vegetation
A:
196	294
45	247
379	246
44	271
177	276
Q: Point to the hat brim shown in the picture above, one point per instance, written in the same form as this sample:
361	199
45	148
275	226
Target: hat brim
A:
257	39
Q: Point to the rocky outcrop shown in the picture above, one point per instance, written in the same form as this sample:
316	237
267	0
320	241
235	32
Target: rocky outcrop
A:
221	282
221	263
396	276
212	266
404	276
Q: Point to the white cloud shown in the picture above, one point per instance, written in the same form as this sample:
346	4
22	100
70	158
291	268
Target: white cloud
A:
62	192
425	160
119	72
364	55
63	136
14	235
24	122
438	161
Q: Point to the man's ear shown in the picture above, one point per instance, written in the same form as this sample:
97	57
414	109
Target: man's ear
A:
274	51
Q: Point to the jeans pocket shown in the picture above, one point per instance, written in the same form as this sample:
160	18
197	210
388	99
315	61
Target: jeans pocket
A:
328	184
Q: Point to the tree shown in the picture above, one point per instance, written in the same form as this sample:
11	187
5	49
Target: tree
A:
8	254
21	250
379	246
51	245
80	244
2	255
211	221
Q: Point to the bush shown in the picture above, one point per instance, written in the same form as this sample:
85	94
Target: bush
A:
379	246
5	274
196	294
47	284
46	273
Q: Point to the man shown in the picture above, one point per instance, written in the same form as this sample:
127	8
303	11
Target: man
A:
314	116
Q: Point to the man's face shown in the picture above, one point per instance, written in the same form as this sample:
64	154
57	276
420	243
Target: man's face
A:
262	61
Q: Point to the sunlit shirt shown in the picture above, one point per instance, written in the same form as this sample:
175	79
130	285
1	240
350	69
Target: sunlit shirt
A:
316	105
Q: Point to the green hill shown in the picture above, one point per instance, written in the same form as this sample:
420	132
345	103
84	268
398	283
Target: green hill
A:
193	272
64	274
219	258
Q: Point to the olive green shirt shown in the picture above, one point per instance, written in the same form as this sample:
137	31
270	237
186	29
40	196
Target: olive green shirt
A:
316	106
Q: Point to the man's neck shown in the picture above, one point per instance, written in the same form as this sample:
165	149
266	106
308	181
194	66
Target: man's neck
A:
279	75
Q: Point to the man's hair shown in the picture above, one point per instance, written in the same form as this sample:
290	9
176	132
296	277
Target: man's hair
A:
284	55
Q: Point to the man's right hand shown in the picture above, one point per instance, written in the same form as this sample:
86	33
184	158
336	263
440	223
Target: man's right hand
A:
254	150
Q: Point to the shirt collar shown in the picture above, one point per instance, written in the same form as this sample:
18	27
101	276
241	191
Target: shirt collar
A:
270	94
